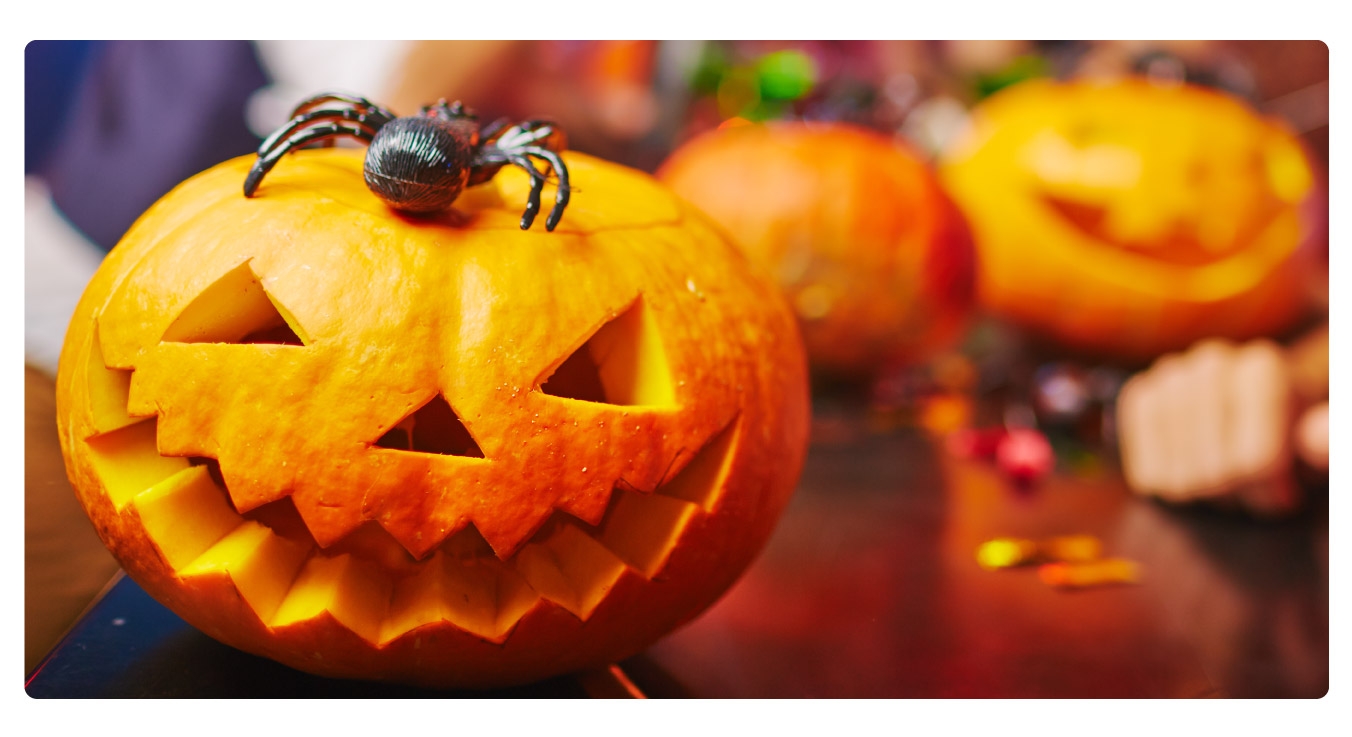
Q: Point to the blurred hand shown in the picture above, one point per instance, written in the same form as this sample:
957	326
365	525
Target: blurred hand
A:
1219	422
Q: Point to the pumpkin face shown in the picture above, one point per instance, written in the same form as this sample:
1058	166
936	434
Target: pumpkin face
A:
871	253
1130	219
441	451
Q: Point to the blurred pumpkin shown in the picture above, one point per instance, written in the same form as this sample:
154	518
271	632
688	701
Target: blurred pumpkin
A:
1128	219
871	253
439	451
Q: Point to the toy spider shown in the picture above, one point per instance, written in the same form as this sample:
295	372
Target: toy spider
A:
421	163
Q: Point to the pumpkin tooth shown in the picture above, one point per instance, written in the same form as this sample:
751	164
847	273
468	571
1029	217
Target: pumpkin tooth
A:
260	563
569	567
127	462
352	591
109	390
642	529
480	595
185	515
327	523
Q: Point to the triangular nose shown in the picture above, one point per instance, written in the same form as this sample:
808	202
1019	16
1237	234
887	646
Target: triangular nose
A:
432	428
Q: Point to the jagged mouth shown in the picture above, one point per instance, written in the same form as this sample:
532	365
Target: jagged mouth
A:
367	580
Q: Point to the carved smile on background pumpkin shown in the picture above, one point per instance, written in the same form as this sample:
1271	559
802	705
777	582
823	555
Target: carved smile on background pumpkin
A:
1179	244
383	580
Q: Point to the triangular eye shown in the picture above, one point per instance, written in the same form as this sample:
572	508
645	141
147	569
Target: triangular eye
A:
432	428
234	309
622	363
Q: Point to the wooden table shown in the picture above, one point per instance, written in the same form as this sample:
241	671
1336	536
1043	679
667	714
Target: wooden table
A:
870	588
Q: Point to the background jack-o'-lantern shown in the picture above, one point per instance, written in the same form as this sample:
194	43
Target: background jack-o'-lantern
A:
1128	218
871	253
440	451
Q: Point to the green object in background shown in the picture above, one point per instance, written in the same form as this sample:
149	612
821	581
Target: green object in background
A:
786	75
708	74
1020	69
759	90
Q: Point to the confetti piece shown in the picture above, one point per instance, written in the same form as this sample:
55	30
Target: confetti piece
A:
1006	552
1084	575
1009	552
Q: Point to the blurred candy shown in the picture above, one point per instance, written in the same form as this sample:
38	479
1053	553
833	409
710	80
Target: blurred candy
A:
1008	552
1025	455
1005	552
1096	573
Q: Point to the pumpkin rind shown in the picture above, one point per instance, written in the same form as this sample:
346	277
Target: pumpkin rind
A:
391	312
867	247
1128	219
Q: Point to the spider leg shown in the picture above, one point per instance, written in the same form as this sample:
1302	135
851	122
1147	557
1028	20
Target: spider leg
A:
315	134
493	130
367	120
352	100
537	185
564	191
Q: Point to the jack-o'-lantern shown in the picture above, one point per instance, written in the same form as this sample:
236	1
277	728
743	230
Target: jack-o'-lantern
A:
1127	219
438	450
872	255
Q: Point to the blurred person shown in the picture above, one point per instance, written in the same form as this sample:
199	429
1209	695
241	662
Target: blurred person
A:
124	123
111	126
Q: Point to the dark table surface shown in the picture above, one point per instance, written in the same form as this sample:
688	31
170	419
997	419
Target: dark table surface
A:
870	589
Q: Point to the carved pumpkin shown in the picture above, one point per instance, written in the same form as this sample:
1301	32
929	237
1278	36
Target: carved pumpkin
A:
871	253
442	451
1129	219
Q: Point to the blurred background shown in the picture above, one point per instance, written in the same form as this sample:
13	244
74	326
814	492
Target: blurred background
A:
1058	264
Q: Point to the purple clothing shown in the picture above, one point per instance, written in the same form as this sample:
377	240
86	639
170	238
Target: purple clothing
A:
146	116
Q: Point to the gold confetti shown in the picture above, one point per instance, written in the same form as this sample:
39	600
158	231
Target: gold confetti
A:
1007	552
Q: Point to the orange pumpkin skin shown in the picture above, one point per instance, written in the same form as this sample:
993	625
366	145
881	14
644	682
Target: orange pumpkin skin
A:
592	524
1125	219
868	248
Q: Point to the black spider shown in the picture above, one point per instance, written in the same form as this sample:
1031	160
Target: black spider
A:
421	163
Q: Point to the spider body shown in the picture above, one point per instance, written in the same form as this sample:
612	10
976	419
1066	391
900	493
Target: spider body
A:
421	163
